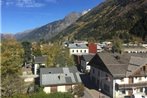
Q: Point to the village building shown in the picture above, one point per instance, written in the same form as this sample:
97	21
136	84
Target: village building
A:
134	49
39	61
78	49
82	62
120	75
59	79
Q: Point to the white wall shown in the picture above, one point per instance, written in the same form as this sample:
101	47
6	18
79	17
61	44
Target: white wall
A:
36	67
126	81
122	81
61	89
78	51
141	79
47	89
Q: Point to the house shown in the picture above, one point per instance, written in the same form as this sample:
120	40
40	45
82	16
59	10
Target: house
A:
103	69
134	49
59	79
84	60
78	49
135	81
144	45
99	48
39	61
126	74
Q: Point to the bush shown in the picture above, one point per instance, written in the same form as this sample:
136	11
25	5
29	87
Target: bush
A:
79	90
41	94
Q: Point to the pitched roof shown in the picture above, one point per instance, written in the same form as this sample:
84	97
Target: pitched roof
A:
113	63
119	65
78	46
40	59
134	64
59	76
87	57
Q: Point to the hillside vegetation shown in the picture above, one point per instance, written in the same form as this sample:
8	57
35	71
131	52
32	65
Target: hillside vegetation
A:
124	19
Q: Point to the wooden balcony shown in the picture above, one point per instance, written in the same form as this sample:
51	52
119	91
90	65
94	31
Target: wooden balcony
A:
133	85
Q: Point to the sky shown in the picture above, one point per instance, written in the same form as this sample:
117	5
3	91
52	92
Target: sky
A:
20	15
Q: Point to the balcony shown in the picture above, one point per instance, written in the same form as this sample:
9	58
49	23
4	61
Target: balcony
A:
136	85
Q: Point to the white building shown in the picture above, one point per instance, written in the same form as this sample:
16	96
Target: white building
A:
78	49
59	79
134	49
40	61
127	74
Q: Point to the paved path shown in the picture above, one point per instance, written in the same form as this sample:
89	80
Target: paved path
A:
90	88
87	94
92	93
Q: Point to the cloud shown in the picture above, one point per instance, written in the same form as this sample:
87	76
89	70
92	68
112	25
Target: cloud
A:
27	3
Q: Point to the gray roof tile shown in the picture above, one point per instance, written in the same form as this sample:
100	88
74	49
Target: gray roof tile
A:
120	64
58	76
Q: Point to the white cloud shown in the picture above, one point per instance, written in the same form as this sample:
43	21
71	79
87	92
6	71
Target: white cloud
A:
27	3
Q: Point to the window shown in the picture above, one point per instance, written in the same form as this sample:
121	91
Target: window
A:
107	77
141	89
144	69
93	71
81	51
107	88
73	51
98	73
116	86
85	51
77	51
123	92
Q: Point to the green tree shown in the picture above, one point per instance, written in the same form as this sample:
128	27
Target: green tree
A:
11	62
27	51
57	55
36	49
117	45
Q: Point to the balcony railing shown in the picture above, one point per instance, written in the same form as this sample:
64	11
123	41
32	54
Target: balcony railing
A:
136	85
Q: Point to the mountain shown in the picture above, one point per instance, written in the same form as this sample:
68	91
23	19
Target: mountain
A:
126	19
49	30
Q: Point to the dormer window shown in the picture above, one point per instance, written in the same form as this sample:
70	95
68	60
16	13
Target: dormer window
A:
59	77
49	72
144	68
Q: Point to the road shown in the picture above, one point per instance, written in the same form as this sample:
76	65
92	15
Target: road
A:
87	94
91	90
